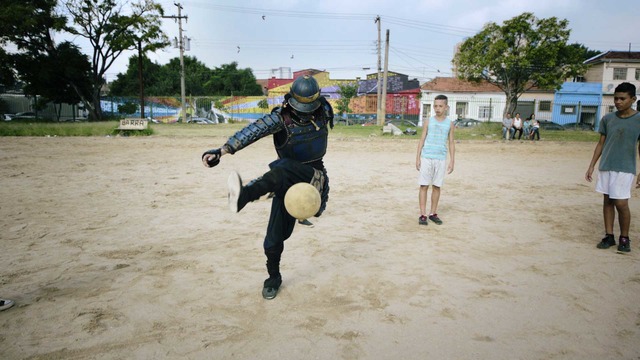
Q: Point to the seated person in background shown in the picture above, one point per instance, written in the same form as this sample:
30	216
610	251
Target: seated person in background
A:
507	127
535	130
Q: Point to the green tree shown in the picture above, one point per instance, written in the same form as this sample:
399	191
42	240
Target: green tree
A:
228	79
585	52
127	83
196	74
113	27
264	105
346	91
61	76
58	72
524	52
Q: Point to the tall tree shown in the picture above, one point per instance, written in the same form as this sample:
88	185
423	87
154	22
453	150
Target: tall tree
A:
61	75
112	28
524	52
55	71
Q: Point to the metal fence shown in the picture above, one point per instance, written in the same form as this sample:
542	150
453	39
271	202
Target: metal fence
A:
364	109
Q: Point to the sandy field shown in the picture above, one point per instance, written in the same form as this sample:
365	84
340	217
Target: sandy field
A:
124	248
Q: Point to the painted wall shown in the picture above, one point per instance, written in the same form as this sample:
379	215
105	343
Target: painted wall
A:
578	102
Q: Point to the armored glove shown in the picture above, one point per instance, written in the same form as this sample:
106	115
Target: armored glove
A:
216	160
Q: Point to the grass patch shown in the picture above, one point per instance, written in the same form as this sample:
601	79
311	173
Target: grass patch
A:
97	128
493	131
482	132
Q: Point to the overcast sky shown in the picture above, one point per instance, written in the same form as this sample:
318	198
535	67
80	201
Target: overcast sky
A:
340	35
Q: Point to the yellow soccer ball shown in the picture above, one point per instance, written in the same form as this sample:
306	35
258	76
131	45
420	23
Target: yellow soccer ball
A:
302	201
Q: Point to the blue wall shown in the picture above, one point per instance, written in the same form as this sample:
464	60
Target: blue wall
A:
575	95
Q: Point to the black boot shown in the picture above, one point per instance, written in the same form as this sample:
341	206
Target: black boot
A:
272	284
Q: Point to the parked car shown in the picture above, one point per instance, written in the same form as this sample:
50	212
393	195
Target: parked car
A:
578	126
6	117
25	115
200	120
466	123
549	125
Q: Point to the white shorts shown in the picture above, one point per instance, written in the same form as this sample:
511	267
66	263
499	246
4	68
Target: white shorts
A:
432	172
615	184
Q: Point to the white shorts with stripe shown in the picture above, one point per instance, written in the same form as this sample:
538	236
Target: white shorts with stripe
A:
615	184
432	172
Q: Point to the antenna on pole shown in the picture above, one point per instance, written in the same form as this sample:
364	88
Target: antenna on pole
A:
181	44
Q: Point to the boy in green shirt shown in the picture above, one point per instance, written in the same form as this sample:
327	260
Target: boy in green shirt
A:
619	135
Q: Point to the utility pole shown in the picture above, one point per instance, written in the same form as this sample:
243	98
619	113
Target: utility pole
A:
140	79
379	80
383	109
181	46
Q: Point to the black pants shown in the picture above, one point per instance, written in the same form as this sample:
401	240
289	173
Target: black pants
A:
535	132
519	135
284	173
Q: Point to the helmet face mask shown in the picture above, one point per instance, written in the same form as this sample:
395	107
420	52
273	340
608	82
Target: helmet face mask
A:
305	94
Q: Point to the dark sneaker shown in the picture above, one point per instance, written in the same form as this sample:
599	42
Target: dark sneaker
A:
422	220
271	286
607	242
305	222
234	184
435	219
625	244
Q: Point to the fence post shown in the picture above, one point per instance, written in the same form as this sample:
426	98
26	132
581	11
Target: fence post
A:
490	109
578	113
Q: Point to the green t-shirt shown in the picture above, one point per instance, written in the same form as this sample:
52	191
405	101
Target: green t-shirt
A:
620	146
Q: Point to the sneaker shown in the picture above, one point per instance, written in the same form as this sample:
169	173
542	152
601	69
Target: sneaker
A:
234	184
607	242
625	244
305	222
422	220
271	286
435	219
5	304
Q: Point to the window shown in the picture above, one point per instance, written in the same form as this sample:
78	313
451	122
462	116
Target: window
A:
544	106
568	109
426	111
619	73
484	112
461	109
637	74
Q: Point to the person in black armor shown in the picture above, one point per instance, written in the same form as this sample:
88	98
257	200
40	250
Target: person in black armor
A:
300	131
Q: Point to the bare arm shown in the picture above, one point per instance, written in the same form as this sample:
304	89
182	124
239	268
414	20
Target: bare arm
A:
452	150
596	155
425	130
638	180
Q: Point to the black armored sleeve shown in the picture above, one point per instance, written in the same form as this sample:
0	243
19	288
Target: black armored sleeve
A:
267	125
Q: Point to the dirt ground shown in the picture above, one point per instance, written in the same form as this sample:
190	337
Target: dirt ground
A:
124	248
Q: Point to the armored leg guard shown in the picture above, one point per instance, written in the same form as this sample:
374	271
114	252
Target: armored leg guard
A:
272	284
240	196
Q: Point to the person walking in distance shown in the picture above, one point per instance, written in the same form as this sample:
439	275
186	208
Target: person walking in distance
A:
436	141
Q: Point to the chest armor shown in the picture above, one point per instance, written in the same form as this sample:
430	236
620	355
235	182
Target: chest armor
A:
304	142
